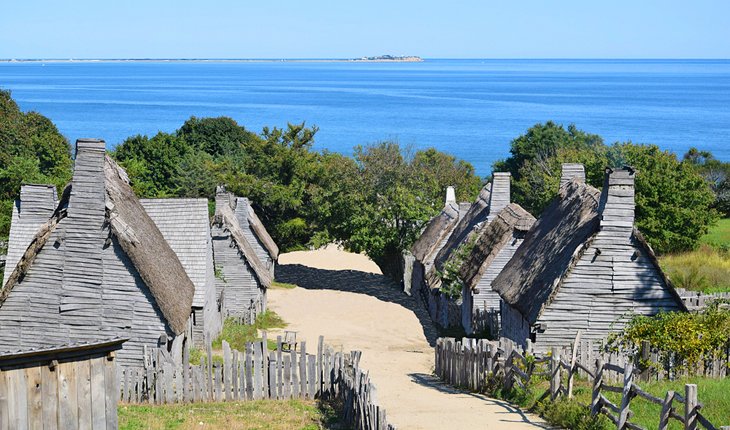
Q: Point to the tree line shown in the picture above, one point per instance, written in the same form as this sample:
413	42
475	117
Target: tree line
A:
376	201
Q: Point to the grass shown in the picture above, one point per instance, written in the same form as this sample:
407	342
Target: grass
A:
258	414
707	269
574	414
719	235
282	285
237	335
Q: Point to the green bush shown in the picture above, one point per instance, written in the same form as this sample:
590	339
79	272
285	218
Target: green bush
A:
572	415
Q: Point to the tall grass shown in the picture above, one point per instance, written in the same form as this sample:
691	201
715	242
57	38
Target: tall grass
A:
707	269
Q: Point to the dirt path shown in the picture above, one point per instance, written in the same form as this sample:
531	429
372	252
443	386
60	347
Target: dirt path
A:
361	310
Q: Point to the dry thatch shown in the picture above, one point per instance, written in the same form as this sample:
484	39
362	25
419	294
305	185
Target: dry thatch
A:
435	232
476	214
491	239
35	246
556	240
262	234
141	240
224	215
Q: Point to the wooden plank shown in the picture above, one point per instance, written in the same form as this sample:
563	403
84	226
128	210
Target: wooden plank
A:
227	371
68	411
218	371
690	406
279	369
286	382
83	379
303	369
320	346
178	388
572	370
273	382
49	392
4	423
234	375
294	374
666	410
186	374
248	371
258	373
34	396
98	401
111	391
623	416
311	376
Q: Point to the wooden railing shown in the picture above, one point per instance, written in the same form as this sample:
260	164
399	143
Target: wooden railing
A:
257	373
471	364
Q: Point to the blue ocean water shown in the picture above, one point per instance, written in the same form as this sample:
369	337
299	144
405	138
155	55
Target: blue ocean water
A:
470	108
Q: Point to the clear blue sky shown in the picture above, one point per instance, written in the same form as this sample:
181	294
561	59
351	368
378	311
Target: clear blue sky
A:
336	29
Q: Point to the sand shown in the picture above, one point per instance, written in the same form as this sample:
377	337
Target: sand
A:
361	310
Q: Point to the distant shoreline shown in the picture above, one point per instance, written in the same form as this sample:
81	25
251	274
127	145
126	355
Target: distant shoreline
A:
410	59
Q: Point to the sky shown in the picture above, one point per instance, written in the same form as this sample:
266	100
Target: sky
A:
347	29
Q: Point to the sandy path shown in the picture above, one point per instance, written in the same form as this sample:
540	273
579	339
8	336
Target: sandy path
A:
356	310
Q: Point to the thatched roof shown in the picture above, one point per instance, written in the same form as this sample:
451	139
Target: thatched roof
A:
436	231
550	248
476	214
185	225
225	217
154	259
491	239
259	230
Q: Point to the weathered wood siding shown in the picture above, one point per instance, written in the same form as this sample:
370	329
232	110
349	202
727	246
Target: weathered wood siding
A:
236	281
514	326
35	207
500	196
601	289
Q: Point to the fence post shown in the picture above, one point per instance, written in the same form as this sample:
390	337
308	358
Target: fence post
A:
690	406
597	383
554	373
645	356
571	370
666	410
623	414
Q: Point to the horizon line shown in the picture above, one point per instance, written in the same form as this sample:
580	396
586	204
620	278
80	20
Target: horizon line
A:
358	59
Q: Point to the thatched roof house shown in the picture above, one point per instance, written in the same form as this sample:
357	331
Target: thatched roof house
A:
583	266
98	267
185	225
243	276
495	245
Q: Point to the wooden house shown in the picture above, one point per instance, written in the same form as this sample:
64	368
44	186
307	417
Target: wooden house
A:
494	197
97	268
243	277
64	387
185	225
582	267
494	246
256	234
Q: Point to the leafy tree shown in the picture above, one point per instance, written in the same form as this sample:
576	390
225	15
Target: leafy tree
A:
31	151
716	173
673	203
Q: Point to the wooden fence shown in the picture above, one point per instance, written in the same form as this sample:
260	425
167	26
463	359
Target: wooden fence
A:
695	300
474	364
257	373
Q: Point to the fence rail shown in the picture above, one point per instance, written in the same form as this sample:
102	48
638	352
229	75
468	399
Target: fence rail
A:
257	373
472	364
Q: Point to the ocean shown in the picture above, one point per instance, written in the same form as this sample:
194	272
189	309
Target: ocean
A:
469	108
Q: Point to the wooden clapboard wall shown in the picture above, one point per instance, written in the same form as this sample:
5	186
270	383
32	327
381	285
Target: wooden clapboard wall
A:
63	388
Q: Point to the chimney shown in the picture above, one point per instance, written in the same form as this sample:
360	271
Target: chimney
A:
87	201
450	196
499	198
570	171
243	209
617	201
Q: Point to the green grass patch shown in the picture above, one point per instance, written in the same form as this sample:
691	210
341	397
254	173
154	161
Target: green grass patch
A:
707	269
719	234
237	335
282	285
258	414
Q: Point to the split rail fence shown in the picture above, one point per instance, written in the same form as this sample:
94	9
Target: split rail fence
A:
475	364
257	373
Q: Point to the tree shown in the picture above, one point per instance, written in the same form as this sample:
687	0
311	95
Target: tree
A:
716	173
31	151
673	203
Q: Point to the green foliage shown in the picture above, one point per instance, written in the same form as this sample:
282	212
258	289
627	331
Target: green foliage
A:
451	284
673	201
570	414
690	336
719	235
238	335
717	175
31	151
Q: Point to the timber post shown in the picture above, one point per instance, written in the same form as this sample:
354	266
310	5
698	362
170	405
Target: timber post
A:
554	373
623	415
597	383
690	407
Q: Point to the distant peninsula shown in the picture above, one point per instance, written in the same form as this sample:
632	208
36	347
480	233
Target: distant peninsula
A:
376	59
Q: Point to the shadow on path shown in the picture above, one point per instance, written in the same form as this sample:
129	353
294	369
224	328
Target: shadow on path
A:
432	382
355	281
